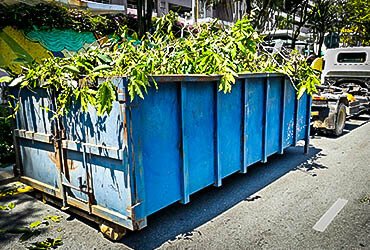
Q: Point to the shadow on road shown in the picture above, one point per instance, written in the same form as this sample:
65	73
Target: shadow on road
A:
6	174
207	204
17	218
356	122
351	125
180	220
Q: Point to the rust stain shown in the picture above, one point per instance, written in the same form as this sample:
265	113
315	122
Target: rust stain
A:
124	124
138	224
71	165
52	157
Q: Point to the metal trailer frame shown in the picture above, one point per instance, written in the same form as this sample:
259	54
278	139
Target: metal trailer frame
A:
148	154
325	107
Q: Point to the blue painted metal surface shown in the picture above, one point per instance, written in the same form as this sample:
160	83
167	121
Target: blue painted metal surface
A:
148	154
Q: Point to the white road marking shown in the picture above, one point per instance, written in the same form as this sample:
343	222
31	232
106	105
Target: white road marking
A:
329	216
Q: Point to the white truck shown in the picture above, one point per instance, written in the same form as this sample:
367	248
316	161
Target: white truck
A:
345	89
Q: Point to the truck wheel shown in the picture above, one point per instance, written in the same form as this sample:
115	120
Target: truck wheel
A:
341	120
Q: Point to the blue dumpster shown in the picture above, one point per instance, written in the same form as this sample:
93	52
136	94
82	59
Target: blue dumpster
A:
148	154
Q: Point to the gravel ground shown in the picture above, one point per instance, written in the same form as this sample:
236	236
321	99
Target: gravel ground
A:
274	206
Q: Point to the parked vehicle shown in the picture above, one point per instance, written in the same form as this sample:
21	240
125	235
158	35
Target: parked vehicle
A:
345	89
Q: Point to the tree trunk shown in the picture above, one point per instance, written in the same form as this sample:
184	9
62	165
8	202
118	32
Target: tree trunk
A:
263	15
248	7
144	15
149	13
140	18
303	20
321	41
225	10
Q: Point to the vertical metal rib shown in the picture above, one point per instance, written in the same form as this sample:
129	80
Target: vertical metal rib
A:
217	111
296	110
244	125
308	125
265	119
184	143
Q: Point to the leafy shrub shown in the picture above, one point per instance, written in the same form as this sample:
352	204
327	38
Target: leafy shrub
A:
208	48
6	138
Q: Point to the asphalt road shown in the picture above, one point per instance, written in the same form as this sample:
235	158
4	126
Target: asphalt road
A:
275	206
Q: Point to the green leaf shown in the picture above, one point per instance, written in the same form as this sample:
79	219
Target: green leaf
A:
16	81
105	58
105	97
35	224
11	205
46	244
120	59
101	67
5	79
71	68
54	218
301	91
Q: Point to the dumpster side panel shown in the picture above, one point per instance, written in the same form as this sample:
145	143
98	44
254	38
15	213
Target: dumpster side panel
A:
156	134
302	117
255	91
274	115
33	115
111	184
188	135
34	133
229	129
198	133
289	107
38	161
96	154
76	168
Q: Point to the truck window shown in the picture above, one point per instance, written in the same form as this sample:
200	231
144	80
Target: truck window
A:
356	57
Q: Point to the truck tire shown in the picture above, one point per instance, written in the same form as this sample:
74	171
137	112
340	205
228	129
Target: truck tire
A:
340	121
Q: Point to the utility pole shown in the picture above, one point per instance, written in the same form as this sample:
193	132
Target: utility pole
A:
124	3
141	23
159	11
195	10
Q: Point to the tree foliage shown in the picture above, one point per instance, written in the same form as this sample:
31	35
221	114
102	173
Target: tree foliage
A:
56	16
258	11
325	16
6	137
356	28
350	18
